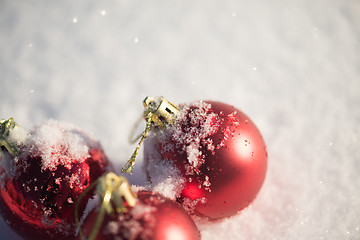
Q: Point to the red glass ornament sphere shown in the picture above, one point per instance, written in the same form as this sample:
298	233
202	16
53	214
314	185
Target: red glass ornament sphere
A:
220	153
153	217
41	184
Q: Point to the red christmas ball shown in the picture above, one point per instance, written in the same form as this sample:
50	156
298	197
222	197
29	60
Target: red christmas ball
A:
219	152
42	174
151	217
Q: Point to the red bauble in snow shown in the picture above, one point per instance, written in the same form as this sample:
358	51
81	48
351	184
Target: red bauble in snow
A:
218	150
141	216
42	174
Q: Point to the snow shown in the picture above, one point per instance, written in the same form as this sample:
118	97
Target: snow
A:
52	138
164	177
292	66
18	136
129	224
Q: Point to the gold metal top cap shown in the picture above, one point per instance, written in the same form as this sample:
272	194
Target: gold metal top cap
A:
163	111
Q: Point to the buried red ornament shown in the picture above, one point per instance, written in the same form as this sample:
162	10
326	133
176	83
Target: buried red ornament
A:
42	174
218	151
144	215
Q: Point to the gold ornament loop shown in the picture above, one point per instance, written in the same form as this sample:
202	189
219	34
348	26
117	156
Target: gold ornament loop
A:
129	166
115	191
132	139
115	188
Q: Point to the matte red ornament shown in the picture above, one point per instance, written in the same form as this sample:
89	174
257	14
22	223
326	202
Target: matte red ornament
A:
150	217
220	153
42	175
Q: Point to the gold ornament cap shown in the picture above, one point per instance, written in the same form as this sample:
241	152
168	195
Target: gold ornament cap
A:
158	113
12	136
163	111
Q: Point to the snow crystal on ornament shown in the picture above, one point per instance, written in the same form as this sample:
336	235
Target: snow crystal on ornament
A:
136	188
140	216
52	139
74	179
131	224
18	136
112	227
142	211
191	132
189	205
61	225
164	176
194	125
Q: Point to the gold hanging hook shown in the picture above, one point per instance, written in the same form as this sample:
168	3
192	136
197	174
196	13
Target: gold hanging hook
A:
116	195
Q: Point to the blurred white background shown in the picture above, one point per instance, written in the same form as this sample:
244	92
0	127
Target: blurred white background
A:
292	66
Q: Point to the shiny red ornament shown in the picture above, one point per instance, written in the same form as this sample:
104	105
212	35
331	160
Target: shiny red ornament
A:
220	153
42	174
150	217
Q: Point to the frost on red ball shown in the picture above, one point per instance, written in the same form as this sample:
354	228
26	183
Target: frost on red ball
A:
154	217
42	182
220	154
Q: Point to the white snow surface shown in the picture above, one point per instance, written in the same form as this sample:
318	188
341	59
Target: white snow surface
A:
292	66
